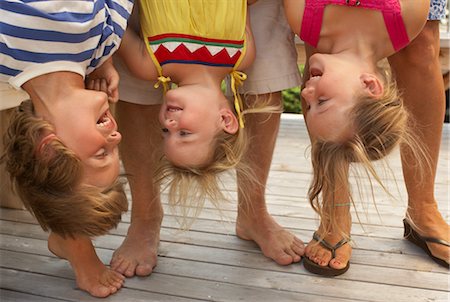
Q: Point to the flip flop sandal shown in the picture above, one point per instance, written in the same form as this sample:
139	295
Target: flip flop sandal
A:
421	241
327	271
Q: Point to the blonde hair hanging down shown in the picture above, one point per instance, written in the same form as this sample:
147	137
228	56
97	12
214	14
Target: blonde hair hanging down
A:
381	125
189	187
47	178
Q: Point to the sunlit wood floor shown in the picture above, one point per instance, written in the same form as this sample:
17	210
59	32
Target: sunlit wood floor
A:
209	263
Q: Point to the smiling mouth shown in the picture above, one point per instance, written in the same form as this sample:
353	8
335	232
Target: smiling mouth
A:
172	108
315	72
105	121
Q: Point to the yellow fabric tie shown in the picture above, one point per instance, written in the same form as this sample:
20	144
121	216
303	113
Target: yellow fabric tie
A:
237	79
164	81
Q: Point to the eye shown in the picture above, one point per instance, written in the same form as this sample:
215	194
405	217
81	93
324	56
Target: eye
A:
321	101
165	130
101	153
184	133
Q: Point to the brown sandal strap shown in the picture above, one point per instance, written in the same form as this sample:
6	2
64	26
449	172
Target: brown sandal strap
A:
327	245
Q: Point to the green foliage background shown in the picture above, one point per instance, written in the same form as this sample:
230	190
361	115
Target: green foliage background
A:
291	100
291	97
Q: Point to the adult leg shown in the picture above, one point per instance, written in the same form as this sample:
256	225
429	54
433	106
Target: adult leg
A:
418	73
91	274
254	221
137	114
275	68
138	253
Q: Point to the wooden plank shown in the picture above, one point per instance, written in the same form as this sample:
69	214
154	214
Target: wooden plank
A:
157	284
246	259
15	296
209	263
51	288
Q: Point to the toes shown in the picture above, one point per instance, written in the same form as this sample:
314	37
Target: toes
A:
102	291
129	271
283	259
339	262
124	268
299	249
143	270
116	262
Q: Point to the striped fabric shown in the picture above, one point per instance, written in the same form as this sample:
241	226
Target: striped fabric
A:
38	37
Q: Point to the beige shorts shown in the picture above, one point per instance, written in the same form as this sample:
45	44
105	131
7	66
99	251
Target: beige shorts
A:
275	67
136	91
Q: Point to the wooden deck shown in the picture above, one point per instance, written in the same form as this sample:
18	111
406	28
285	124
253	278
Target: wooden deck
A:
209	263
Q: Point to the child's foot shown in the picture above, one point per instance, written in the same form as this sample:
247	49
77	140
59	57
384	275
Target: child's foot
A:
91	274
138	253
274	241
428	222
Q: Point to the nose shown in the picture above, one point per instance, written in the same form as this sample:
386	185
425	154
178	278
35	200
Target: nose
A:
114	138
170	123
307	92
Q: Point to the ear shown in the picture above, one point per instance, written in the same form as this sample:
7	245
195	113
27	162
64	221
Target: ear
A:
44	148
229	121
371	84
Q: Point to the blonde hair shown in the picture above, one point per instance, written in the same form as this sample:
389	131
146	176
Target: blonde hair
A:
189	187
48	180
380	125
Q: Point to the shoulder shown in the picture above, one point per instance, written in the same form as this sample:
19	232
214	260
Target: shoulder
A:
414	14
294	14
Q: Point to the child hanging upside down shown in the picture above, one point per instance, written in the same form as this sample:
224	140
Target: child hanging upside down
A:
195	45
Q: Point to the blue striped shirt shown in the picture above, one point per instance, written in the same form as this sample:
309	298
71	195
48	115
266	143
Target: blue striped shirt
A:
42	36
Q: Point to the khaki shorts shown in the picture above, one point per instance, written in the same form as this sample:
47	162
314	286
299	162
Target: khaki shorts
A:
136	91
275	67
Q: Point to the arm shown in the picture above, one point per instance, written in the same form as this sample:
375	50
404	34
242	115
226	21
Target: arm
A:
250	53
134	53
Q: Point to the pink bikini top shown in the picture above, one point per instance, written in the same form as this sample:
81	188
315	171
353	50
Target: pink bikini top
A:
313	15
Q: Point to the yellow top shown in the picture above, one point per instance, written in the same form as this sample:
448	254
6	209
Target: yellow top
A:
206	32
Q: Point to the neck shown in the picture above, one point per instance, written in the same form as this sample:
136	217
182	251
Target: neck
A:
359	32
49	90
196	74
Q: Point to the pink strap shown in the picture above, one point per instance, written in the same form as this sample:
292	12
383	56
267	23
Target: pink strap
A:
396	29
391	10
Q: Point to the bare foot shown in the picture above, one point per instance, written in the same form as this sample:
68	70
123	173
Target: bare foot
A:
91	274
428	222
274	241
138	253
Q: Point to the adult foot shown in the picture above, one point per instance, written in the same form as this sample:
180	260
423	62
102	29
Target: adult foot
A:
428	222
274	241
323	256
91	274
138	253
